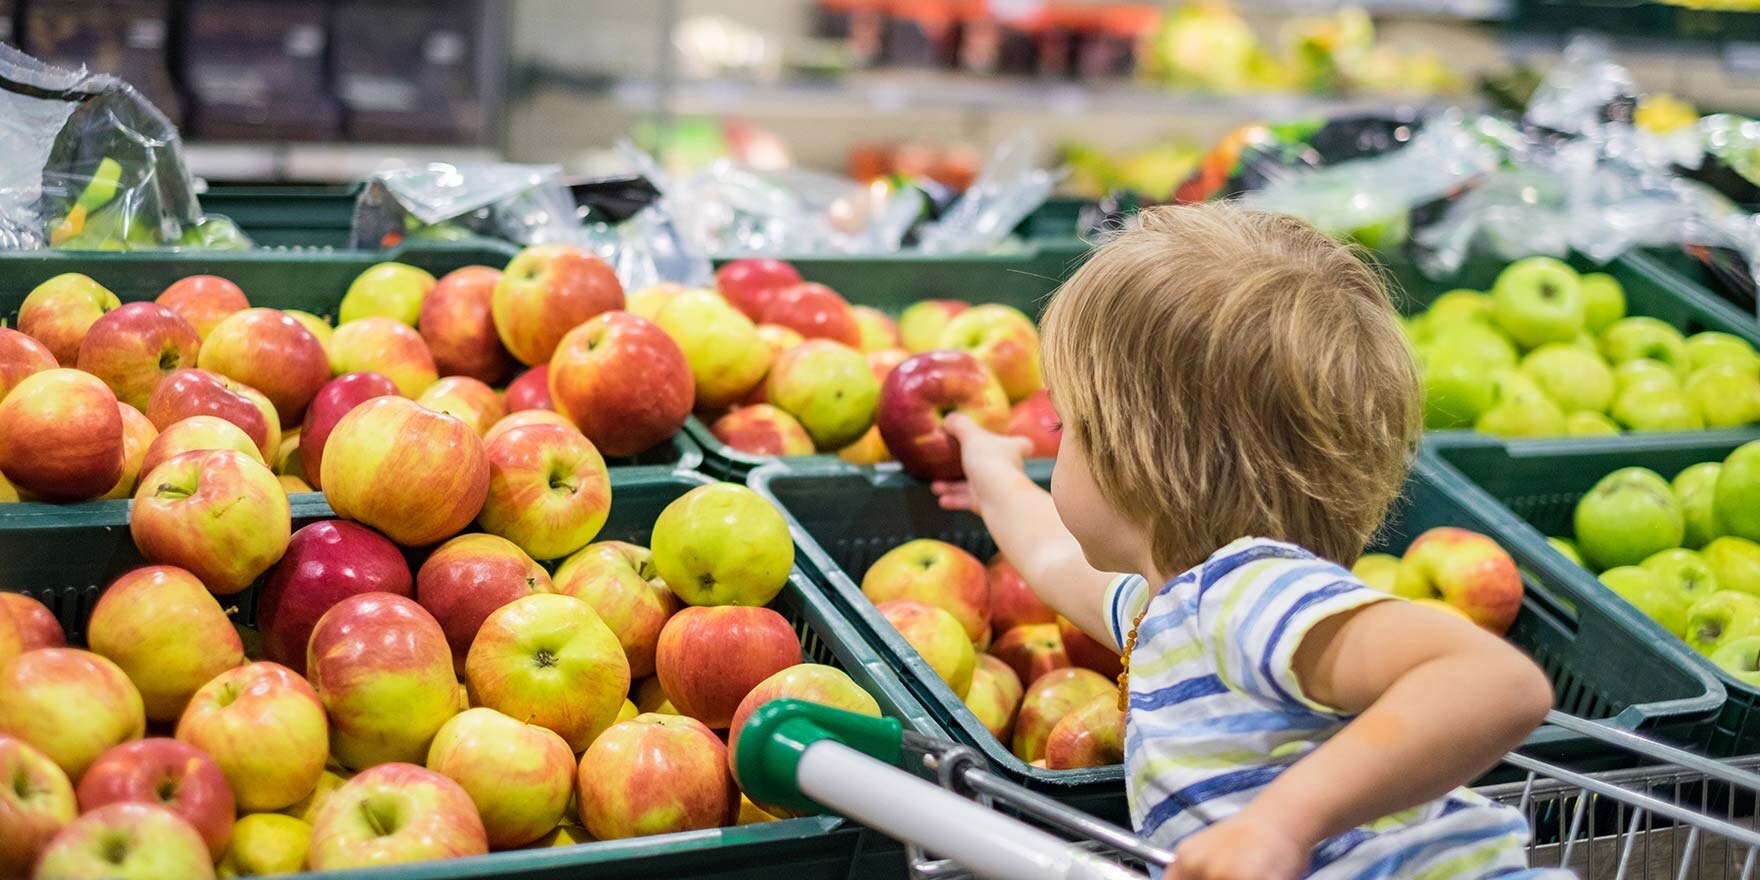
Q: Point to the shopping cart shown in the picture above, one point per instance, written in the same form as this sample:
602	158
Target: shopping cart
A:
1674	815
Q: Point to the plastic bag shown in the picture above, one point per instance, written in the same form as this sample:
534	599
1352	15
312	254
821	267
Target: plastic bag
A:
525	204
92	165
1008	189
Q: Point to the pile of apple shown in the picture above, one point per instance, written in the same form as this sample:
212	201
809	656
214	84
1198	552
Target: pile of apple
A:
788	367
1455	570
1550	353
378	716
1684	553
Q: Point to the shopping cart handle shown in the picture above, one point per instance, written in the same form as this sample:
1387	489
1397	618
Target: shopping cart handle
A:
775	736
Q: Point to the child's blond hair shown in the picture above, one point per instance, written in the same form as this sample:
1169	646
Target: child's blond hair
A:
1234	373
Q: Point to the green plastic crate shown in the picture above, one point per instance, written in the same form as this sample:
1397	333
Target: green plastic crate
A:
1598	657
288	216
67	564
1539	484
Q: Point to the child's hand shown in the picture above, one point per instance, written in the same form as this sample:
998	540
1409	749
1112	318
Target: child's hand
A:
1241	847
993	464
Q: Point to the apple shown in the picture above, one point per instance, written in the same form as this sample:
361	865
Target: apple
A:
467	578
723	544
749	284
167	632
623	382
271	352
383	346
1034	420
828	387
869	450
545	292
1575	379
203	301
1725	395
214	512
994	696
1628	516
1604	301
1568	549
1087	652
331	403
624	586
1377	571
1478	343
1458	306
416	475
134	347
167	773
919	393
920	325
762	429
1721	618
187	393
876	331
325	562
1652	594
647	302
1012	601
1644	371
1736	499
562	835
1656	407
1032	650
530	390
1736	563
1537	300
1003	340
264	844
935	572
938	637
1630	339
306	809
1051	697
37	625
815	312
456	322
395	813
779	338
1465	569
709	657
1589	424
381	667
1519	409
195	434
465	399
69	704
519	775
727	357
809	682
1711	348
549	491
387	290
126	841
318	327
59	311
649	696
656	774
527	417
20	356
1090	736
265	729
61	436
548	659
1457	388
36	802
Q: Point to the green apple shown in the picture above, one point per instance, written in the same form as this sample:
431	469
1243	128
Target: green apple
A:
828	387
1738	492
1695	488
726	355
387	290
1479	342
1656	408
723	544
1589	424
1629	339
1585	341
1538	300
1683	570
1650	594
1377	570
1629	515
1644	371
1566	548
1721	618
1604	300
1576	380
1726	395
1459	306
1736	562
1457	388
1711	347
1519	409
1741	659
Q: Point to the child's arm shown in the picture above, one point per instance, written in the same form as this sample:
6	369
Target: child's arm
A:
1440	701
1025	525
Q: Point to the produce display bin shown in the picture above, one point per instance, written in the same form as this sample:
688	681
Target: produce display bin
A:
1603	661
288	216
67	564
1538	485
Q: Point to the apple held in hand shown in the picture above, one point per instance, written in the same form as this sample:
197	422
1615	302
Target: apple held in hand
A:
332	402
459	328
36	802
921	325
216	513
167	633
37	625
383	346
549	491
325	562
416	475
1467	570
530	390
935	572
468	578
937	637
394	814
709	658
749	284
134	347
1050	698
622	584
71	705
547	291
265	729
623	382
762	429
59	311
1538	300
203	301
272	352
195	434
1628	516
168	773
919	393
815	312
656	774
20	356
520	776
381	668
61	436
727	357
723	544
387	290
548	659
129	841
1003	340
995	696
828	387
188	393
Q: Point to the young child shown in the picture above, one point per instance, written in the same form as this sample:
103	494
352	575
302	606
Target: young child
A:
1239	409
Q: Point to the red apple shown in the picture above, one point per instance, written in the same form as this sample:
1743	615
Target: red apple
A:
527	417
748	284
36	623
1090	736
272	352
549	491
167	632
459	329
203	301
815	312
548	659
197	433
1012	601
531	390
1465	569
69	704
416	475
1087	652
326	562
384	346
1054	695
138	433
1034	420
331	403
59	311
621	583
710	657
520	776
623	381
547	291
915	397
995	696
20	356
470	576
133	349
382	669
214	512
188	393
656	774
61	436
465	399
935	572
762	429
811	682
265	729
167	773
134	841
36	802
394	814
1032	650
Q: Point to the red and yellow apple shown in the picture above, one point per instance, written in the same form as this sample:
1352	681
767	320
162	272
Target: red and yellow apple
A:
36	802
325	562
1002	339
61	436
69	704
723	544
130	841
656	774
519	775
138	433
623	382
726	355
331	403
762	429
394	814
214	512
709	658
815	312
548	659
922	391
1088	652
59	311
877	330
265	728
194	434
935	572
1090	736
810	682
937	636
530	390
465	399
527	417
1012	600
271	352
1033	419
36	623
134	347
381	667
20	356
1465	569
203	301
1032	650
1050	698
545	292
920	325
750	283
467	578
549	491
187	393
416	475
167	632
457	324
386	347
622	584
167	773
995	696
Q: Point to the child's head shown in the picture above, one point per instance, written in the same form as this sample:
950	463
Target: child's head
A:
1223	373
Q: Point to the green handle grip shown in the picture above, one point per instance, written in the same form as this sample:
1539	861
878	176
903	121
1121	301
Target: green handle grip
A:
779	732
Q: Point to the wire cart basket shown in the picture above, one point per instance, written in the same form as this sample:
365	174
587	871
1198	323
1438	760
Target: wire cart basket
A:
1674	816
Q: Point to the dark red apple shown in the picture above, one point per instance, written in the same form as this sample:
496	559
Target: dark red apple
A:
1034	420
166	773
333	401
923	390
748	284
193	392
1012	602
467	578
531	390
325	563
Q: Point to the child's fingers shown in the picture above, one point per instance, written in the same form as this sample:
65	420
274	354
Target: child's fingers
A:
955	495
960	425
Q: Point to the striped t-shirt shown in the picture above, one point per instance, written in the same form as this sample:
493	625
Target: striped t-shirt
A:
1216	714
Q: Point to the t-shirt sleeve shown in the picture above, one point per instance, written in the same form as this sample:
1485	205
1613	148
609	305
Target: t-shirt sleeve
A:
1254	612
1125	599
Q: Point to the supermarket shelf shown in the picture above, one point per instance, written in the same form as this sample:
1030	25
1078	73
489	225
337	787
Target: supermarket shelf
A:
317	162
1470	10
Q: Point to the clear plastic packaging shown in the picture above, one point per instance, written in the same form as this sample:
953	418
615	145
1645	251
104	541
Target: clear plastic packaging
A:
520	203
1010	187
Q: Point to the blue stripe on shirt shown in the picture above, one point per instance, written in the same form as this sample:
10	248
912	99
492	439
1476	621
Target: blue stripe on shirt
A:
1217	569
1160	623
1174	694
1221	785
1337	588
1391	864
1243	628
1245	722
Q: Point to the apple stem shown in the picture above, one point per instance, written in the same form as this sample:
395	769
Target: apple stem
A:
166	490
